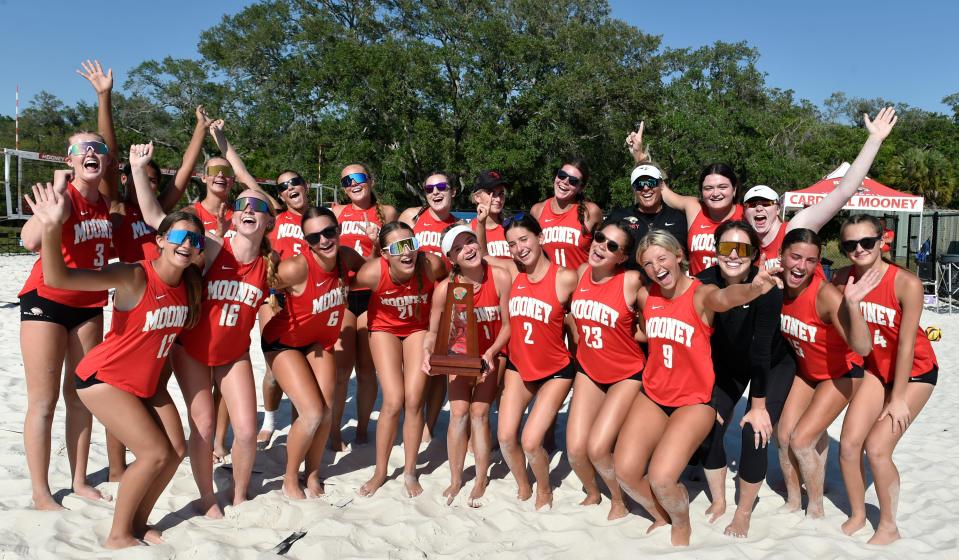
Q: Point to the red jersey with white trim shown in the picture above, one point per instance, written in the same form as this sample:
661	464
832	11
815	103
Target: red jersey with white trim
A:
486	309
209	220
883	314
821	352
775	246
702	240
496	245
85	243
134	350
315	316
679	371
429	232
536	345
133	239
353	222
400	309
232	294
286	238
563	237
607	350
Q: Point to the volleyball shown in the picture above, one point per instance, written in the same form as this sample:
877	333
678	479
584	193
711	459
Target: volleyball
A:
933	333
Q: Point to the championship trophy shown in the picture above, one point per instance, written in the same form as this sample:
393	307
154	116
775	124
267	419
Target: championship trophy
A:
457	344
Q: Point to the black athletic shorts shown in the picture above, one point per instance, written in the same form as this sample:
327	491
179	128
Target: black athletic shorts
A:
930	377
566	372
357	301
34	307
638	376
84	383
277	346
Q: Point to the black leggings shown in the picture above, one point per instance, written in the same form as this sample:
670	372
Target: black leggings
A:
726	393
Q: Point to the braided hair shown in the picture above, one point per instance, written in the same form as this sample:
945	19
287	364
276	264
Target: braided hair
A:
581	166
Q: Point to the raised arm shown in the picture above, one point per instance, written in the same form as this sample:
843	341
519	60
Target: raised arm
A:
638	150
720	300
52	210
817	215
172	194
236	162
103	84
140	156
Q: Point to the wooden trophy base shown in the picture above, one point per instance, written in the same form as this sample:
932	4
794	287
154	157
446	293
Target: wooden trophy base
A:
456	364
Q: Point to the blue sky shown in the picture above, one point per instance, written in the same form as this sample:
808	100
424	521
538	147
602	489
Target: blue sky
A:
900	51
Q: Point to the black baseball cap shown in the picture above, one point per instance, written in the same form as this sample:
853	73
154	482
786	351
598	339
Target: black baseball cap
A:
489	179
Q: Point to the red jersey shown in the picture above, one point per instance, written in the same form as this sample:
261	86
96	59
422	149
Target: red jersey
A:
883	314
429	232
133	239
679	371
563	237
315	315
702	240
607	351
821	353
232	294
136	347
536	318
85	243
353	222
775	247
486	309
286	238
209	220
496	245
400	309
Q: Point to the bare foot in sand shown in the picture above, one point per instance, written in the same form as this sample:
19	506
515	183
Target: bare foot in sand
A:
371	486
208	507
478	491
544	500
853	524
617	510
292	488
592	500
152	536
739	527
263	438
121	541
716	510
91	493
314	486
884	536
656	524
815	511
413	487
452	490
524	493
46	503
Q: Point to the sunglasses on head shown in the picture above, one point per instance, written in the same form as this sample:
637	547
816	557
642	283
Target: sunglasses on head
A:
328	232
744	250
441	187
351	179
571	179
291	182
257	204
81	148
176	237
514	218
600	237
402	246
867	243
643	183
759	202
215	170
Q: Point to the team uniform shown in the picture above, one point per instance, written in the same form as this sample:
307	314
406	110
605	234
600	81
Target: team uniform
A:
536	347
133	239
883	314
679	371
353	234
232	294
563	237
86	241
496	245
429	231
400	309
747	349
210	220
702	239
772	251
133	352
486	309
821	352
313	317
607	351
286	238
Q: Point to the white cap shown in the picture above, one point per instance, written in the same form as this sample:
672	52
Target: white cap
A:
761	191
450	236
645	171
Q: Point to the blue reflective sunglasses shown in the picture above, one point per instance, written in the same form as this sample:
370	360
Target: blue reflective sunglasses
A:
514	218
176	237
353	178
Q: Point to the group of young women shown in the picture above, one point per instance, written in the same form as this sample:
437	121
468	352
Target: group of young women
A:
647	331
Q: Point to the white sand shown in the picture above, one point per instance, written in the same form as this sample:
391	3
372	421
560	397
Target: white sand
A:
389	525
